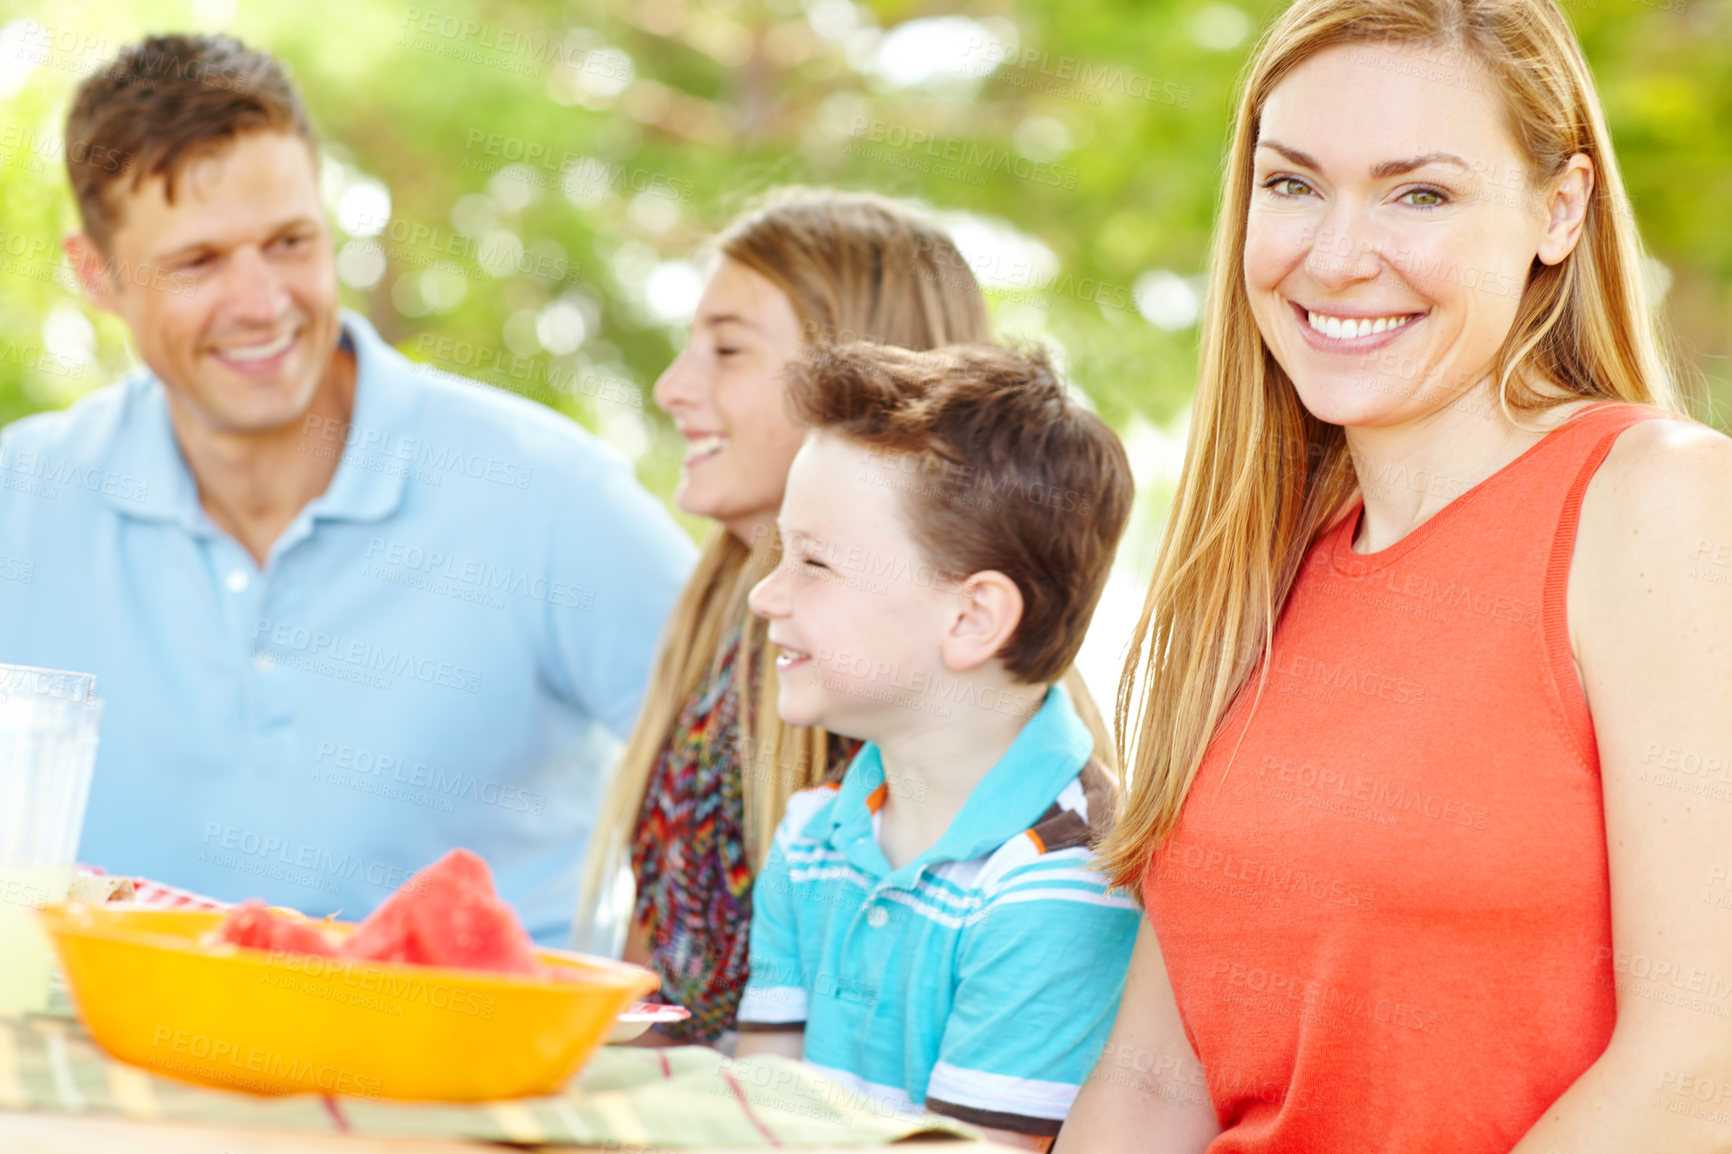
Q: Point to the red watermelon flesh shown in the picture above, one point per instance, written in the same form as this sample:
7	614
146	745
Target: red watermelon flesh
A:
447	915
383	936
253	924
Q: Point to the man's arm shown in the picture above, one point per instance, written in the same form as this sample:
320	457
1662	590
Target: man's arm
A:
621	563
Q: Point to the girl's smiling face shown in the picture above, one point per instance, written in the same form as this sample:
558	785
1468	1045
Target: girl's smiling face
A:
725	394
1391	230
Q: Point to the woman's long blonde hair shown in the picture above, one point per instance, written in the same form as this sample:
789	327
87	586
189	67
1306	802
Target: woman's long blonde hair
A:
855	266
1262	476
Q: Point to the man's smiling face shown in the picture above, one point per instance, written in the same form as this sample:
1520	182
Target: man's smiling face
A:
242	327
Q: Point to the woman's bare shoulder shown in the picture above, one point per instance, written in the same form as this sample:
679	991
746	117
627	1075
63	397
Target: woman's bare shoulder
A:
1664	461
1663	496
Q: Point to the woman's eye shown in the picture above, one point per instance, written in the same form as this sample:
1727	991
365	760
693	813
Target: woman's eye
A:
726	352
1425	198
1287	186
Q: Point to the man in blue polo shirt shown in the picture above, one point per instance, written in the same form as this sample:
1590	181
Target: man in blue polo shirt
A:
346	613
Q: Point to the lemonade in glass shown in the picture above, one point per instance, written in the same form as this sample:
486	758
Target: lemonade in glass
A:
48	728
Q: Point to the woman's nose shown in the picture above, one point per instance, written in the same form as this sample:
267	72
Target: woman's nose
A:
1341	253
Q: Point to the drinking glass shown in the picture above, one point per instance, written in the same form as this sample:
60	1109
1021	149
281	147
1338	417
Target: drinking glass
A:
49	720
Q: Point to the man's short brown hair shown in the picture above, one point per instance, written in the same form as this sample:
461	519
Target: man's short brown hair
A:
998	468
163	102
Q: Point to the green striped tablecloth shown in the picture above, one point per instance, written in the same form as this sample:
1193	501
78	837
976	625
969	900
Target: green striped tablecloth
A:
679	1097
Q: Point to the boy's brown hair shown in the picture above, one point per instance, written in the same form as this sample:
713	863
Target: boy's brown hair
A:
998	469
162	103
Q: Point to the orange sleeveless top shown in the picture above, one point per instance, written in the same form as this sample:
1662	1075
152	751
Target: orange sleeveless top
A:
1387	917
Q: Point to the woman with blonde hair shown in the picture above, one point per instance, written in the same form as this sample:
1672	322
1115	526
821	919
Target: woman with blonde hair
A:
1431	689
704	778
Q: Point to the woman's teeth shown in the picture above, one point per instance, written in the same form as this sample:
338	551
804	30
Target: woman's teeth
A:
258	352
1347	328
705	447
789	657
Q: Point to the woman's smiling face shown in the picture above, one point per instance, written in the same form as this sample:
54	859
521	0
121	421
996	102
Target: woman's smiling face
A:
1391	230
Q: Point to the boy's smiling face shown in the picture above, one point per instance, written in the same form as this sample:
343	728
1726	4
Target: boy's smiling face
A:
858	610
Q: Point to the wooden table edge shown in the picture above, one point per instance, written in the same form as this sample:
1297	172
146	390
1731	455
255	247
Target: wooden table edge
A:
33	1132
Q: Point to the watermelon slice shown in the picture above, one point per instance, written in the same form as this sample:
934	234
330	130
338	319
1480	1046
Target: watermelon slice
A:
383	936
446	915
255	925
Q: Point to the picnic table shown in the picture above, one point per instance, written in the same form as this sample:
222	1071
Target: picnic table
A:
59	1092
60	1134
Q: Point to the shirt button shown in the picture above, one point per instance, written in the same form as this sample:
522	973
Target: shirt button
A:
237	581
264	662
876	917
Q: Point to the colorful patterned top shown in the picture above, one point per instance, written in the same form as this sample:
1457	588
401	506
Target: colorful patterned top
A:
690	859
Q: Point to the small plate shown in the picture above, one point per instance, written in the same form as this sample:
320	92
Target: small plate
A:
639	1017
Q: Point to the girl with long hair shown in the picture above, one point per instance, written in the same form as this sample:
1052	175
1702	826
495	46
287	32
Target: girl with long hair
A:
1432	674
709	767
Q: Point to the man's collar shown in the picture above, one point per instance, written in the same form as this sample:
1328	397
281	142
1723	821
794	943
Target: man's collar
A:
153	481
156	484
368	485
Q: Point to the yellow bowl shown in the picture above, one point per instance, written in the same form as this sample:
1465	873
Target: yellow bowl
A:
279	1023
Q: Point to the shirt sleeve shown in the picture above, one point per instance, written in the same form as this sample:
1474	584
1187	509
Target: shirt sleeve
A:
622	562
1039	978
775	997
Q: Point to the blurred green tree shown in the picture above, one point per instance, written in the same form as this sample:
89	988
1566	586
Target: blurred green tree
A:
521	188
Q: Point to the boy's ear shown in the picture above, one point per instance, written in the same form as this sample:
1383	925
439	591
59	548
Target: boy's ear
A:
989	608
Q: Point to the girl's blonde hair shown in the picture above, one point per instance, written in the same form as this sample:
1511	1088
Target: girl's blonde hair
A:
1262	476
855	266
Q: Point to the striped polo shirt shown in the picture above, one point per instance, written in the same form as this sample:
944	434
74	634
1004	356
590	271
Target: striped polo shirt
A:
978	980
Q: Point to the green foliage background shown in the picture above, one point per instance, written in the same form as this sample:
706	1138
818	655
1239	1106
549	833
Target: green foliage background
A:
1124	104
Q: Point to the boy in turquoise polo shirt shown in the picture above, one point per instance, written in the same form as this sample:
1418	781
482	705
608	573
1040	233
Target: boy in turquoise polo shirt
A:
930	932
